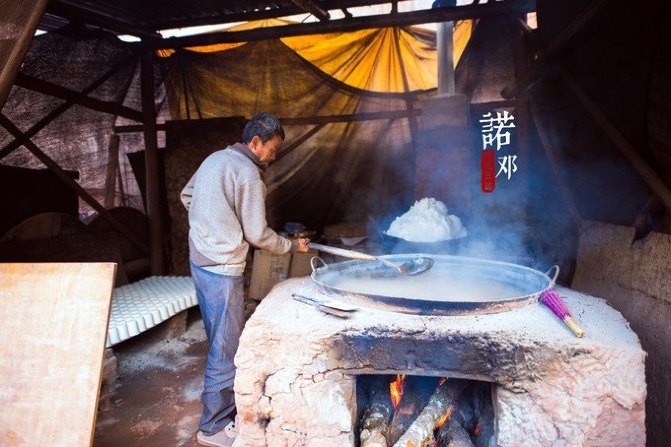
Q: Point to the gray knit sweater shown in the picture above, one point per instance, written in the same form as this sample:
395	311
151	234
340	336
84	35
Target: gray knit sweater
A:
227	212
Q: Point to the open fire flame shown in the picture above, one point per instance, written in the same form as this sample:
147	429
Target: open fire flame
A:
445	417
396	390
448	412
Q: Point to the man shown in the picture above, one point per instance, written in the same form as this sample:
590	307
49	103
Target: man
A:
226	203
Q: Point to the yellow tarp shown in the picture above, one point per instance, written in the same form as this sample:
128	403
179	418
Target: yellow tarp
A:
269	76
380	60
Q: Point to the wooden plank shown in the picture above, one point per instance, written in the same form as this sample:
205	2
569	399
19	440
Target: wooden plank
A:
51	89
53	324
152	166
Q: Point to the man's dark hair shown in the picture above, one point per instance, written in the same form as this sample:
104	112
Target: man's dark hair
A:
265	125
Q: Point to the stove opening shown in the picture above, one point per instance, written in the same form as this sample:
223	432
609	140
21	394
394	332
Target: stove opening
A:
419	411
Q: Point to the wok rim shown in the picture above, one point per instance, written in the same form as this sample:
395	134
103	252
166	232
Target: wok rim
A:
423	306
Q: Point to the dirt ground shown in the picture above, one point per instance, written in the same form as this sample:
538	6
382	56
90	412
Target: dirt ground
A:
156	401
157	397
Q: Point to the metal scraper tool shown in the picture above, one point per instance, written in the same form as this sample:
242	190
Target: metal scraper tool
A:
337	309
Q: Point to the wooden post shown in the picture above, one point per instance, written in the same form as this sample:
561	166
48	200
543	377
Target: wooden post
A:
153	205
446	84
20	20
522	118
409	103
122	191
112	169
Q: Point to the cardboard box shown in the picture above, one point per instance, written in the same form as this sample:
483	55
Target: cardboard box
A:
300	264
268	269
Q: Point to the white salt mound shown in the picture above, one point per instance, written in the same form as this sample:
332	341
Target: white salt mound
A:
427	221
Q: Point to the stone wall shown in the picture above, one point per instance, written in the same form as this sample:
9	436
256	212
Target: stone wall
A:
296	370
636	280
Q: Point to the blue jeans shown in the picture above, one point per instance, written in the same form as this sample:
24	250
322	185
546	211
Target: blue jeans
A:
220	299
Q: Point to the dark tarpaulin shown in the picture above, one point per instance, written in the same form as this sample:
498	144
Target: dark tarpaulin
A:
27	192
346	171
79	138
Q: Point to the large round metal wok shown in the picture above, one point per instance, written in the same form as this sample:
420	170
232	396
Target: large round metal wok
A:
519	285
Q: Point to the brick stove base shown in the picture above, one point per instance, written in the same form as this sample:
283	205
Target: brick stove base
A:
297	367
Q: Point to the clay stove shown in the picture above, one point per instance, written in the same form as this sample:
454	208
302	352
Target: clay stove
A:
298	368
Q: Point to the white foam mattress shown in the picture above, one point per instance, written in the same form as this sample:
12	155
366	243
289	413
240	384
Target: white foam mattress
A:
142	305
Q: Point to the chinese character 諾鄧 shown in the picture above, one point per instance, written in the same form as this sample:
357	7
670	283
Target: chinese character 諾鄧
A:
507	165
493	129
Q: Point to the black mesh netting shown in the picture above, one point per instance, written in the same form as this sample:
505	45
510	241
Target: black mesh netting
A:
79	138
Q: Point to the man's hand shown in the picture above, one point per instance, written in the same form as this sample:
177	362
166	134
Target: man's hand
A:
303	245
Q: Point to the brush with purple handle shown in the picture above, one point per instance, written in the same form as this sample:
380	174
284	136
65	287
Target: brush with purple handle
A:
553	301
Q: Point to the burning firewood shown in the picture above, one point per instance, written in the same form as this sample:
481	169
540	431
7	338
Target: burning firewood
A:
415	396
375	426
439	408
374	437
453	434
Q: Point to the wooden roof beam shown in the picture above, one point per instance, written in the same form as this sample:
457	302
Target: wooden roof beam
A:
78	14
222	18
560	41
42	123
356	23
313	8
51	89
